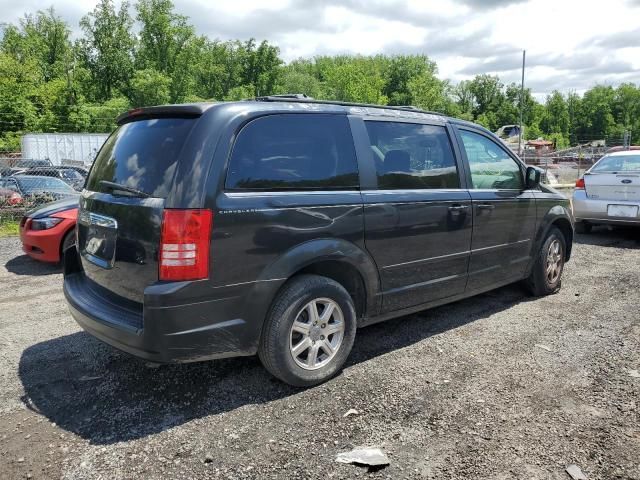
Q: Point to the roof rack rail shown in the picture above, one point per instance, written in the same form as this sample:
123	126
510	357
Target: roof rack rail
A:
283	96
302	98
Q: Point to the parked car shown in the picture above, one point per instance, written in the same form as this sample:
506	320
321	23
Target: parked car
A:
609	192
67	174
81	170
279	226
49	230
39	190
8	171
30	163
9	194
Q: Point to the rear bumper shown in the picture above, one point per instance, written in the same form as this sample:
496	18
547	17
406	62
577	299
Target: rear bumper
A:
595	210
160	330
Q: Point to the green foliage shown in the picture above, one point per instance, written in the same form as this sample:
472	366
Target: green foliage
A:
107	48
9	227
149	87
50	83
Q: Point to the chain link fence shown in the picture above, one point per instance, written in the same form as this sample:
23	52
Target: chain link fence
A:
46	168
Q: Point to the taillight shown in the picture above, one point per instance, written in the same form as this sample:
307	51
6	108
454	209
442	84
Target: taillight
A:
184	244
580	184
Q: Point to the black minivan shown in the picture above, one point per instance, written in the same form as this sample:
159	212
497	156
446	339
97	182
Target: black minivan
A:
280	225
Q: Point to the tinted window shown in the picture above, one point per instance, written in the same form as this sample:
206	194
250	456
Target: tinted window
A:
491	166
294	152
410	155
141	155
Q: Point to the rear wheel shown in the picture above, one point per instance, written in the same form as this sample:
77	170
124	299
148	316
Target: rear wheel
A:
583	227
309	331
546	274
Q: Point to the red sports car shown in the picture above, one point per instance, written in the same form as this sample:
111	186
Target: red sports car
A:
49	230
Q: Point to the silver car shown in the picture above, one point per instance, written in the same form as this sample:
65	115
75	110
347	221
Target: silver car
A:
609	192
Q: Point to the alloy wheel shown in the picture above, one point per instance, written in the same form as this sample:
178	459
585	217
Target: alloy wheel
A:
316	333
554	262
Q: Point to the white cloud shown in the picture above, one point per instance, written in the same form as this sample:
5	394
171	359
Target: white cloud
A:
571	44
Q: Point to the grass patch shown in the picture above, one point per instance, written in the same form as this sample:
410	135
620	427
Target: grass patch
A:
9	228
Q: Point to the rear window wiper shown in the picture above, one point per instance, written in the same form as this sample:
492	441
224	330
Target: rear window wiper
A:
113	186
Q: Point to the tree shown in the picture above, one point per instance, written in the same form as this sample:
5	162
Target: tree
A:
463	96
149	87
354	79
107	48
626	108
556	117
487	92
43	38
260	66
596	119
427	92
167	44
400	72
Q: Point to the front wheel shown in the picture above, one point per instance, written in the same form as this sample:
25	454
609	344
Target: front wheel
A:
309	331
546	274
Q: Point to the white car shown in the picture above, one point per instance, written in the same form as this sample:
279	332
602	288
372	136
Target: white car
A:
609	192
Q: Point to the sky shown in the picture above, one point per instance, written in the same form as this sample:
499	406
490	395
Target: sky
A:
571	45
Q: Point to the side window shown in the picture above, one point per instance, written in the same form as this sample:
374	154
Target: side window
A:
413	156
294	151
491	167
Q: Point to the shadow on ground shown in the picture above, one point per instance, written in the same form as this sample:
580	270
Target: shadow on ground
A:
25	265
618	237
105	396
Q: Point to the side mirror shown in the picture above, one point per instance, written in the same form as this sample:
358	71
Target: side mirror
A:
532	179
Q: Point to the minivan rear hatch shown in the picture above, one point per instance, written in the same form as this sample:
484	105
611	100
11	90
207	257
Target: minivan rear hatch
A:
121	208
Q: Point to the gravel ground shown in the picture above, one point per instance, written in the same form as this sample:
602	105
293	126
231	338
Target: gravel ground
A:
498	386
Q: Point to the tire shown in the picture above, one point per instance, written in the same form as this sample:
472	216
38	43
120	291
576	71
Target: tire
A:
296	302
583	227
68	240
545	279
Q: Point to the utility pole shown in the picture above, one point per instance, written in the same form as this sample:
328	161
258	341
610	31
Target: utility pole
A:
521	104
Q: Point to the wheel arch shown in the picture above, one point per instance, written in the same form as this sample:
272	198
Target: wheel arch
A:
69	230
560	217
338	259
566	228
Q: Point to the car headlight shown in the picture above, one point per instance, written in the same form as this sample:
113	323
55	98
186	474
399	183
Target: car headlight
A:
44	223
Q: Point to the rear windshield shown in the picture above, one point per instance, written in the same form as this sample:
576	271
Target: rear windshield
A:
39	184
618	163
141	155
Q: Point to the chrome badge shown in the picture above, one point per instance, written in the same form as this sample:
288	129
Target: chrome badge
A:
90	218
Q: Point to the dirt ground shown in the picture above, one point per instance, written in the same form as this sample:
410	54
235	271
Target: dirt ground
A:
499	386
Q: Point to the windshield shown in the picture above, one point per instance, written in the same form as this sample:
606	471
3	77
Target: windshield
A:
617	163
43	184
142	155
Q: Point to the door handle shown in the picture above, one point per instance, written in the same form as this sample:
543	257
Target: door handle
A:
458	208
485	206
